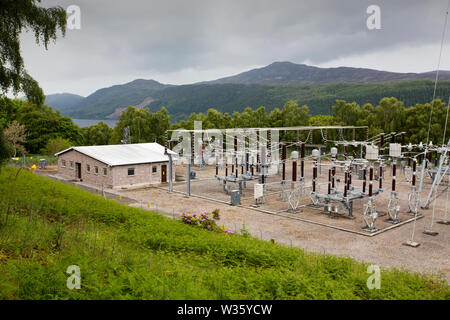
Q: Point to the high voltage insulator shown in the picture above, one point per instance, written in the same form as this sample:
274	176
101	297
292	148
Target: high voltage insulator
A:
165	141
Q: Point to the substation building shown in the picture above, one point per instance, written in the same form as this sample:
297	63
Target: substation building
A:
117	166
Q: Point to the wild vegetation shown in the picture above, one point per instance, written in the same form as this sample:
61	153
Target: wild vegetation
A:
128	253
46	131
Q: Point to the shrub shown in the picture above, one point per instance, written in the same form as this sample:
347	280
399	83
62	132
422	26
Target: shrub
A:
56	145
204	221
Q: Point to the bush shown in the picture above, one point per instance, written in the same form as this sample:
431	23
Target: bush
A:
56	145
204	221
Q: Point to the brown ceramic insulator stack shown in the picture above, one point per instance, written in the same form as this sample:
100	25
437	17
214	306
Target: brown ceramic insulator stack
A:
345	183
247	158
294	170
302	161
394	167
364	180
333	172
329	181
257	163
380	186
349	180
370	181
314	178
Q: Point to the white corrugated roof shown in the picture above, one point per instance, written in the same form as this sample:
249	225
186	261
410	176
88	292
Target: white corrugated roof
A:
125	154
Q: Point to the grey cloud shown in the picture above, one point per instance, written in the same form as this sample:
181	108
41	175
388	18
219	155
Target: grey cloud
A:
119	38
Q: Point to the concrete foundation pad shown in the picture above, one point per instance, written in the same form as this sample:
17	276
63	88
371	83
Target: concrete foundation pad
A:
410	243
431	233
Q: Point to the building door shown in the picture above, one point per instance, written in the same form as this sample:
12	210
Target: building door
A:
163	173
78	167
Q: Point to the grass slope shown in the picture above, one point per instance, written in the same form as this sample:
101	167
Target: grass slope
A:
127	253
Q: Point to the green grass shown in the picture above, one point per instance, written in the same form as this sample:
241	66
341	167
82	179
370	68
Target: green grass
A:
127	253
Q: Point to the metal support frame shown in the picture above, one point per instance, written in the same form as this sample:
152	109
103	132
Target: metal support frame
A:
370	215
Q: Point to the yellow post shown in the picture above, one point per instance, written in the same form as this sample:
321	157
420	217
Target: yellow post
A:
148	205
120	197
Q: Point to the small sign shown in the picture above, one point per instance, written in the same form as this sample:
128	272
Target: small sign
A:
259	190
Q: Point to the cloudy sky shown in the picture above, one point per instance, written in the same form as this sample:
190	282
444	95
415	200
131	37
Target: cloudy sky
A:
180	41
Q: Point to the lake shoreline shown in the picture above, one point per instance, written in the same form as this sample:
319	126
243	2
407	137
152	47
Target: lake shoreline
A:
90	122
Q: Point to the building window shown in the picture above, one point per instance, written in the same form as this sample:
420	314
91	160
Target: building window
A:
96	169
63	163
71	164
131	171
88	168
154	169
105	171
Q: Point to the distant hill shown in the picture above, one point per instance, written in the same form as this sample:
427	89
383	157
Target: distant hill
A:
270	86
288	72
181	101
107	103
63	101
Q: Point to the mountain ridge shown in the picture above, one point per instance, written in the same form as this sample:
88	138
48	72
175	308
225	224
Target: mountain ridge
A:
267	85
288	72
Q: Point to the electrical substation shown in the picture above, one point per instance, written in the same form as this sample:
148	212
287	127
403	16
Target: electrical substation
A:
334	176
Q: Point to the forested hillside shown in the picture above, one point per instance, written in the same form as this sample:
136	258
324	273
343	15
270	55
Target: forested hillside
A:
181	101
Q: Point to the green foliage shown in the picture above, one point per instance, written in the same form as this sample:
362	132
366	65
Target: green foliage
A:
390	115
43	124
98	134
127	253
25	15
9	110
5	148
144	126
56	145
